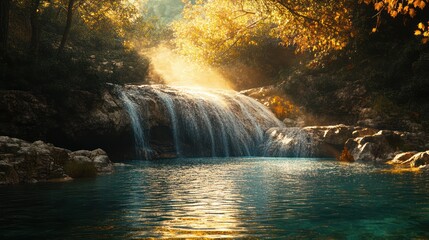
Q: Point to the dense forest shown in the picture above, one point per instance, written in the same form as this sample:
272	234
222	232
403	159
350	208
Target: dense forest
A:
348	54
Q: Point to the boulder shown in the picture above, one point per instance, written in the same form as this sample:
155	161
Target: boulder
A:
420	159
24	162
412	160
385	145
98	157
378	147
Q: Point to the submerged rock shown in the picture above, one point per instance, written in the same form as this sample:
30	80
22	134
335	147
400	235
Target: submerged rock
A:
24	162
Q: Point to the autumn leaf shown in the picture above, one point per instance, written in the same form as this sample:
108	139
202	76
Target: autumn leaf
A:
417	32
412	12
378	6
422	4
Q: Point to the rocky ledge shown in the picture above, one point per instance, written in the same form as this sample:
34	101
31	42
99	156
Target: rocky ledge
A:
24	162
402	149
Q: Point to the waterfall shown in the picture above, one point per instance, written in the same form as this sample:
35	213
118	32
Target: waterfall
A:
208	123
142	147
288	142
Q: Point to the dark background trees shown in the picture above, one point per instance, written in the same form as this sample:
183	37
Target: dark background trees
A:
59	45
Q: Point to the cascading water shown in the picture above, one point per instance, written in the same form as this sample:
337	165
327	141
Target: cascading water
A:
204	122
142	147
288	142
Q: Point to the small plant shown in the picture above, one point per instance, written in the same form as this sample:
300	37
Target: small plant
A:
346	156
283	108
80	169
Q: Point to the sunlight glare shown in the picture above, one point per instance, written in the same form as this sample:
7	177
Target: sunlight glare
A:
176	70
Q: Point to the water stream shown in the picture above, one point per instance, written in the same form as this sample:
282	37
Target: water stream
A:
203	122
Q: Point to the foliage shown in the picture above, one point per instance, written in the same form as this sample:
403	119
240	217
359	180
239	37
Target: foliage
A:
218	30
97	51
409	8
80	169
282	108
345	156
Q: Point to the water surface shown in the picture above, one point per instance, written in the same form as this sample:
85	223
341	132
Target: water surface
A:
223	198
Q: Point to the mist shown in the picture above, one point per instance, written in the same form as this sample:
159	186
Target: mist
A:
175	70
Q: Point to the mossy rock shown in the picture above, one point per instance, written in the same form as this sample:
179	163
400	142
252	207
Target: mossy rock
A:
80	169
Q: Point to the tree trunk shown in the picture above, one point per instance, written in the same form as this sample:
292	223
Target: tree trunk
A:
68	26
4	26
35	28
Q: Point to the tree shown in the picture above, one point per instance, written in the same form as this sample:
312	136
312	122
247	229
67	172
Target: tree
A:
67	27
35	27
110	15
216	30
4	26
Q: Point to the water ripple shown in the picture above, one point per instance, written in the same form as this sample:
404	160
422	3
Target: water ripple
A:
223	198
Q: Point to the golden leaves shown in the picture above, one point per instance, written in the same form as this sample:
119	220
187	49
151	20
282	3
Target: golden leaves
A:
423	31
282	107
379	6
218	30
406	8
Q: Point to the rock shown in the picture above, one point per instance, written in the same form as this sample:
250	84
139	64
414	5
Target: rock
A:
314	141
23	162
401	157
384	145
82	119
8	173
299	122
98	157
364	132
378	147
334	135
420	159
412	160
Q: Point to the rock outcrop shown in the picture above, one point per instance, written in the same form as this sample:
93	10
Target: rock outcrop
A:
76	120
364	144
384	145
24	162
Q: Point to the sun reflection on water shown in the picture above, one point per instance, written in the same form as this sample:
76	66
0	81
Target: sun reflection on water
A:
216	198
197	203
